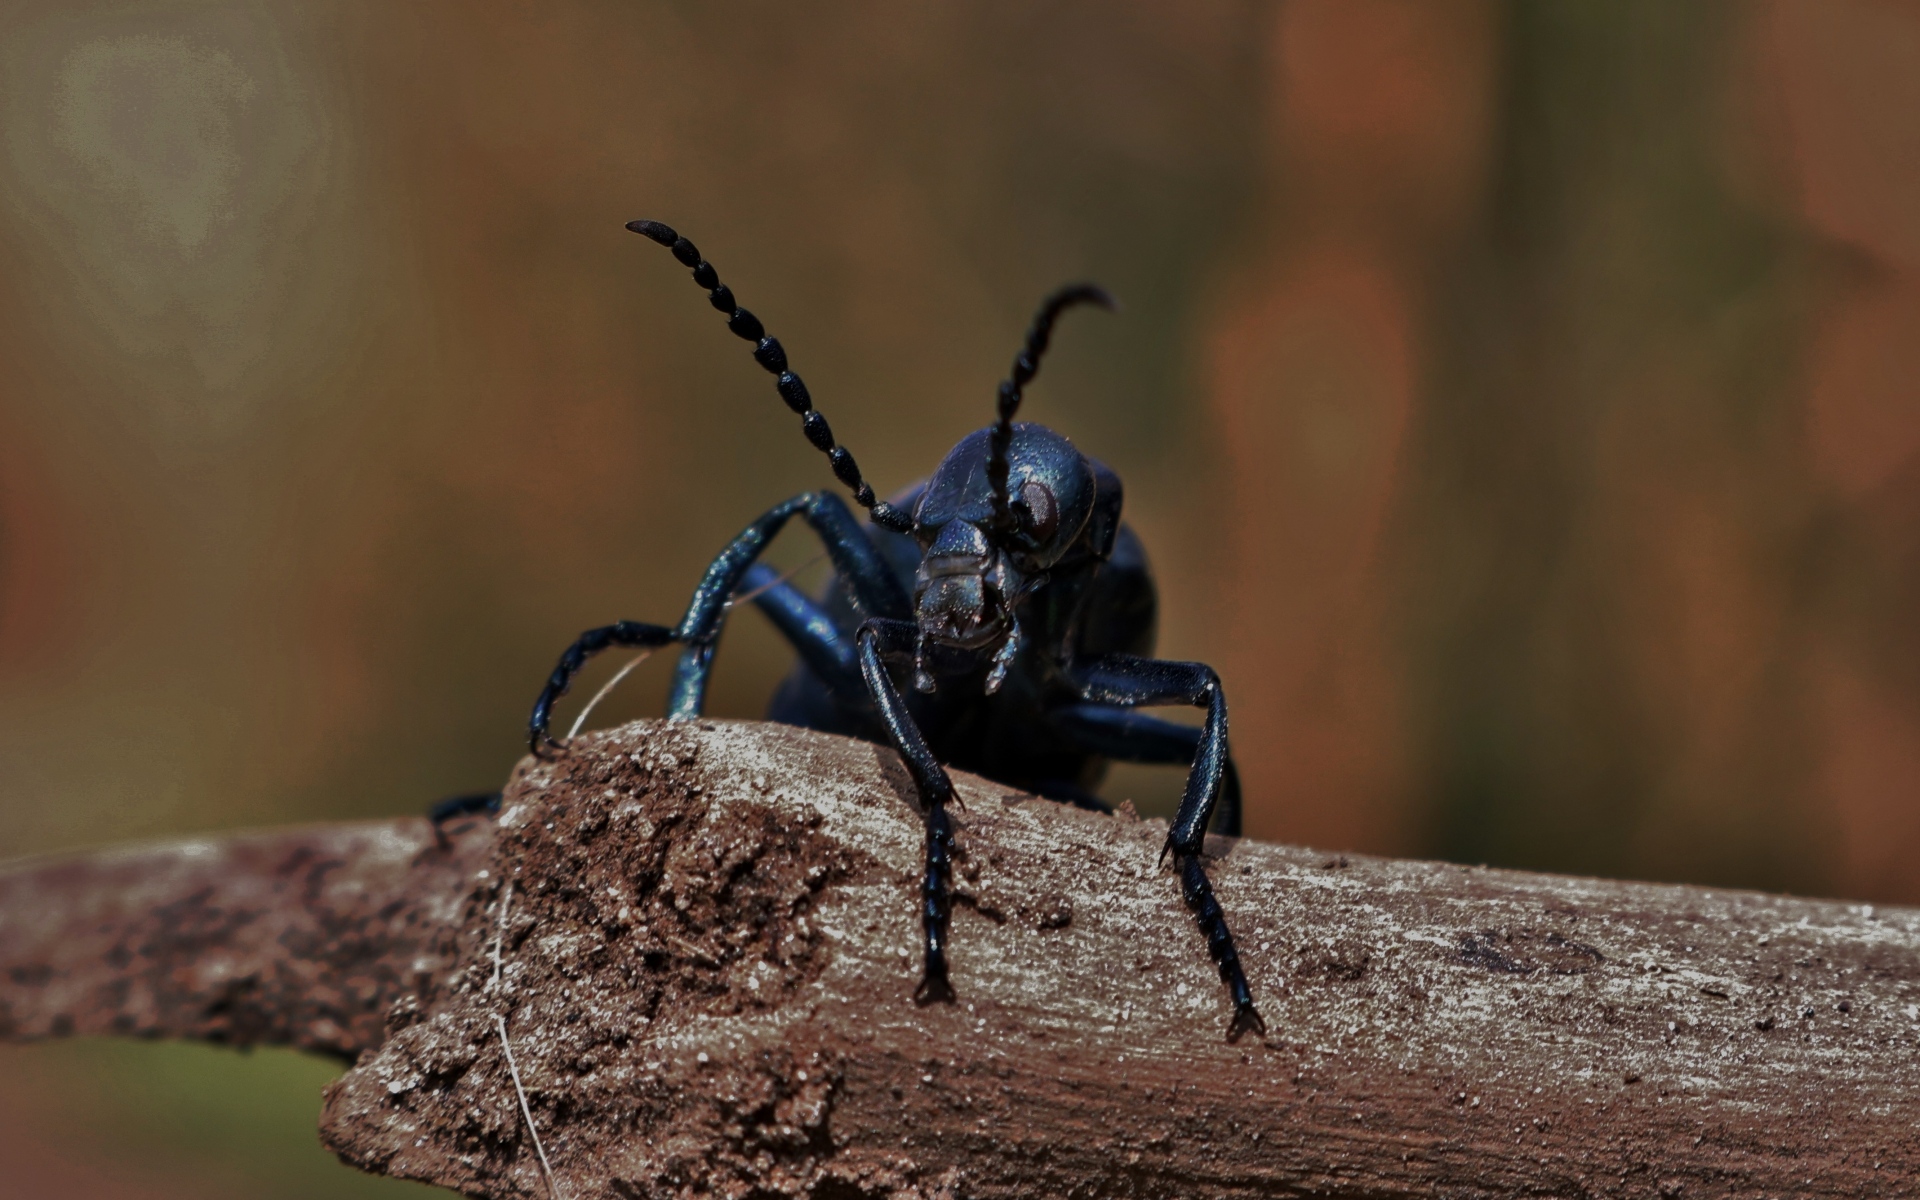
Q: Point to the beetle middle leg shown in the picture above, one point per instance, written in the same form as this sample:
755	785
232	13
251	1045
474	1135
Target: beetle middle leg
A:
826	650
1125	681
588	644
879	641
1123	735
876	590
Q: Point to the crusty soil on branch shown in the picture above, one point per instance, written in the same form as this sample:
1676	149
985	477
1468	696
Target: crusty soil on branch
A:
702	942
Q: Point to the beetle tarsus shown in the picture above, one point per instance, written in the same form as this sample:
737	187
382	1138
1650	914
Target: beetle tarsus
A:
472	804
1198	893
1246	1019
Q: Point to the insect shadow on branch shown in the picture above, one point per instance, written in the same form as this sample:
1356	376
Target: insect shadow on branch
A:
998	617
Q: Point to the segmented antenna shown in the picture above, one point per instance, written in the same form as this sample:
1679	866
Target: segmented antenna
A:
769	354
1025	367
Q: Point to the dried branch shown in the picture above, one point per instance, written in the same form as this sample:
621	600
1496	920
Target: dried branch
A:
708	954
302	937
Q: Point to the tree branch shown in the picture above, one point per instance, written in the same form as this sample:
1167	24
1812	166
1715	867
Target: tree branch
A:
706	956
300	937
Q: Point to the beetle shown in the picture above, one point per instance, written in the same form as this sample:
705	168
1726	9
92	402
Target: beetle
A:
1009	593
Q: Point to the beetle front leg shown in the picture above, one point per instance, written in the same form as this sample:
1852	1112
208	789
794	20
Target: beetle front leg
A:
879	640
810	630
1127	681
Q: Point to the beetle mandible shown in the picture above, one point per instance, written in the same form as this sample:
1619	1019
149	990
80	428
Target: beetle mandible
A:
1007	589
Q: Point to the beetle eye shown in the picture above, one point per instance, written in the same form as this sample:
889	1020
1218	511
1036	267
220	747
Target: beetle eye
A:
1039	515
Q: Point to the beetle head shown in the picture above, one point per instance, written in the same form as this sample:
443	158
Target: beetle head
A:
977	564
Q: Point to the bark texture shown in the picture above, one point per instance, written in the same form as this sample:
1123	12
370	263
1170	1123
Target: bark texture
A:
700	941
299	937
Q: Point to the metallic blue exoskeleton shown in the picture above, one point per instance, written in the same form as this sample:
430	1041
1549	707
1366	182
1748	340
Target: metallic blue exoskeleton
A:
1010	597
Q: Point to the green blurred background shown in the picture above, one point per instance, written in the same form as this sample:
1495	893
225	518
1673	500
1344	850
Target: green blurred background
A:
1521	402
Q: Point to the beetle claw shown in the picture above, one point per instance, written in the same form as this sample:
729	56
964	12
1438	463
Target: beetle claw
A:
1246	1019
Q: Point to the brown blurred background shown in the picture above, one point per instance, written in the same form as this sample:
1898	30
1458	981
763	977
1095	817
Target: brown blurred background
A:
1521	402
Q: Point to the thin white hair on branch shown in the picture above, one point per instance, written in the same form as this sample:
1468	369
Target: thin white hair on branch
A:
739	598
546	1168
605	688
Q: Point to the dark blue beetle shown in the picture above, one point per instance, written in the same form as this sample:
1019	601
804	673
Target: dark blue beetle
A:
1007	590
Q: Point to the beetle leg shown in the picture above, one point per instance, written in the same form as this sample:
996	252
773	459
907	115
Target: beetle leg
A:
454	807
1125	681
820	644
1125	735
877	591
879	640
588	644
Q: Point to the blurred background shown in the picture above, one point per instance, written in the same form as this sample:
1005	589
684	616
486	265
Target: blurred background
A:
1521	402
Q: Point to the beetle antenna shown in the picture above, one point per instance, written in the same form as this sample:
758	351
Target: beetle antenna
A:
769	354
1025	366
